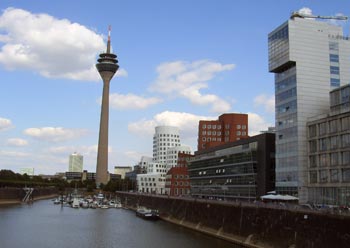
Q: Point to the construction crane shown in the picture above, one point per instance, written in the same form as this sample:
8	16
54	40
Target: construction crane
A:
302	15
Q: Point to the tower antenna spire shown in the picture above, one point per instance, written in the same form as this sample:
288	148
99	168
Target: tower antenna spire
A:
109	39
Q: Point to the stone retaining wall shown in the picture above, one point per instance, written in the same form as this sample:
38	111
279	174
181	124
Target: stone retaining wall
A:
250	225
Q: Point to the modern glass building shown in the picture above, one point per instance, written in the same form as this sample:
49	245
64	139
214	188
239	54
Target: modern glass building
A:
309	58
241	170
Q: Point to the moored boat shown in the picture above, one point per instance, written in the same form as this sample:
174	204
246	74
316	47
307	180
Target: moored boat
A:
148	214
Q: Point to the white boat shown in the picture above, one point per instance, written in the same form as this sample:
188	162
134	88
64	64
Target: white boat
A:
56	201
75	203
104	206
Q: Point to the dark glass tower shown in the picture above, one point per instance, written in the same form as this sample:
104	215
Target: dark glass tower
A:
107	66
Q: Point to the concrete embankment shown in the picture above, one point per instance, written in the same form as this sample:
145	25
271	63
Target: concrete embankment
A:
250	225
15	195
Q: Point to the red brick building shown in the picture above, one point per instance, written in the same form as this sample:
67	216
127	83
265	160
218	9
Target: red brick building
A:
177	182
228	128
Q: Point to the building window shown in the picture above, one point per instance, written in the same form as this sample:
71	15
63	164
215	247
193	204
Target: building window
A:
312	131
313	176
322	128
345	140
227	126
324	160
335	82
334	70
346	158
333	126
204	132
204	126
323	144
214	126
244	127
323	176
313	161
218	133
334	176
313	146
346	175
333	57
238	126
334	159
219	126
238	133
209	126
209	132
345	123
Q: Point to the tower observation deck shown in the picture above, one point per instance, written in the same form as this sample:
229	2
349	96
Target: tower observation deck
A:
107	66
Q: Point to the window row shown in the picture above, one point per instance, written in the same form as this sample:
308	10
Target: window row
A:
330	159
332	143
329	176
329	127
211	139
209	126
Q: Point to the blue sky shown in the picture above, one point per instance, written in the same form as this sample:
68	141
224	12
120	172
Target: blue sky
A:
180	61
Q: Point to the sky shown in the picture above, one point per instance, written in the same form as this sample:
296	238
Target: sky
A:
180	62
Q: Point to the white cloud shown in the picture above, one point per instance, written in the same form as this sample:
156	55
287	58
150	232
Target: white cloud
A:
186	122
256	123
185	79
14	154
17	142
130	101
5	124
268	102
55	48
55	134
305	11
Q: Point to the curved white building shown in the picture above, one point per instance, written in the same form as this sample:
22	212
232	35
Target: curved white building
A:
164	138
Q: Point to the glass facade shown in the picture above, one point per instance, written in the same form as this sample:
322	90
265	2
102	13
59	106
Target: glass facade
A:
230	176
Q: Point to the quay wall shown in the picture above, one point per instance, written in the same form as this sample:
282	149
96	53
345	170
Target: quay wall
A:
249	225
15	195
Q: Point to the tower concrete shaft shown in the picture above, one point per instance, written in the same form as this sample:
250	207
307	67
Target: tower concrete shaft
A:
107	66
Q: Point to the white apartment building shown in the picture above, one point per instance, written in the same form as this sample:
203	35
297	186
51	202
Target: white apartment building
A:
309	58
75	163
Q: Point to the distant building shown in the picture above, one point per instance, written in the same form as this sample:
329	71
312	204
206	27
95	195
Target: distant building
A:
329	152
28	171
75	163
88	175
228	128
121	170
243	169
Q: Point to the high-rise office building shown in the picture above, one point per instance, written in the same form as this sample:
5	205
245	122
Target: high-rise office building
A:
309	58
227	128
75	163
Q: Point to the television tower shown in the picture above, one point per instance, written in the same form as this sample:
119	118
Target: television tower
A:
107	66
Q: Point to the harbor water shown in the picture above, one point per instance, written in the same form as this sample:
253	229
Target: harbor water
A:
43	224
